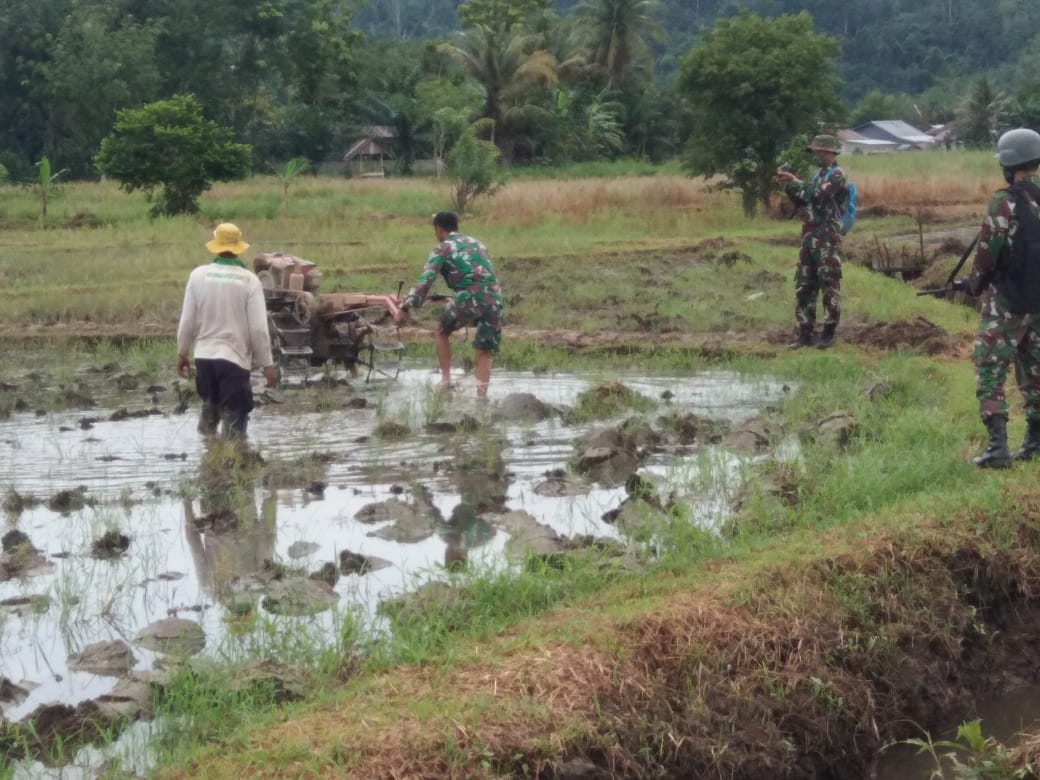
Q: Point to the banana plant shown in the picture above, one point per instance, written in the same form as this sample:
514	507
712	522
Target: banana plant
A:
46	183
290	171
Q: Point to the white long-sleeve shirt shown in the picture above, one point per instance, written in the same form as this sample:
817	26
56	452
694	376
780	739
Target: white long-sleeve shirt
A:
224	316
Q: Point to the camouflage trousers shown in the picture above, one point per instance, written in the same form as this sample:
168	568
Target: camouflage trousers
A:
483	310
819	269
1004	338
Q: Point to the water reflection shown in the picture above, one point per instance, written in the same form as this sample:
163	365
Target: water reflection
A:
228	536
478	475
463	531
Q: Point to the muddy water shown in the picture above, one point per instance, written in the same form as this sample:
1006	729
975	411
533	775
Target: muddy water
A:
1002	718
140	473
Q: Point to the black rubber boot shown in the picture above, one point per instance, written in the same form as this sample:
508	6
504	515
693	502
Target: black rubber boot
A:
805	338
209	420
1031	444
996	455
235	425
827	337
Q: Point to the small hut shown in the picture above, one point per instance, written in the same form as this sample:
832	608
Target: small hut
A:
366	156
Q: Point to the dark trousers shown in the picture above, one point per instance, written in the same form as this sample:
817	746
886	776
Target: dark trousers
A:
227	396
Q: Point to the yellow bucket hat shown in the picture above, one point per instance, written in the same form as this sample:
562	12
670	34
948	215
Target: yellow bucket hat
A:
227	238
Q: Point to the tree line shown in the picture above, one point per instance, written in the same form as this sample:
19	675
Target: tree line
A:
543	82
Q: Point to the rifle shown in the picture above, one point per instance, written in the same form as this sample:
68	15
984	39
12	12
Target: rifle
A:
948	287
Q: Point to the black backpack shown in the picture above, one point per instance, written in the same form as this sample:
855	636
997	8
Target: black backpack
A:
1018	272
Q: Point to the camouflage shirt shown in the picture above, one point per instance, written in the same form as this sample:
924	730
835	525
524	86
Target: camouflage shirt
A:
996	236
465	264
825	197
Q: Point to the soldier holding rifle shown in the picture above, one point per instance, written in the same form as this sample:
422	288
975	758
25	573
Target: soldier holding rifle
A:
1006	273
825	197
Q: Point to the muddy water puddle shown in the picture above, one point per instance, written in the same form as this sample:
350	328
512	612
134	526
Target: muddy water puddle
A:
397	483
1002	717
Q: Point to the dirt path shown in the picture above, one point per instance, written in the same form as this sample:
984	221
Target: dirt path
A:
920	335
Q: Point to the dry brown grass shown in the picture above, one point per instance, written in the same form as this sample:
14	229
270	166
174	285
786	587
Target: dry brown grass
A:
1028	750
930	192
526	203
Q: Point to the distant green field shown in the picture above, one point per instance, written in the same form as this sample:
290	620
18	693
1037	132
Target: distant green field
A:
99	258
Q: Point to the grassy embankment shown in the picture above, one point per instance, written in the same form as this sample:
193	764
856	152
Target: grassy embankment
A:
856	589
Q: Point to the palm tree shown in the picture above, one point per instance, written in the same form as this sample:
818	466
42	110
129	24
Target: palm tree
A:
564	40
977	115
506	65
618	32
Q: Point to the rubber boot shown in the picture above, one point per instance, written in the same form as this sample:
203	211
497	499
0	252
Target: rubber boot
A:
1031	444
996	455
805	338
827	337
235	425
209	419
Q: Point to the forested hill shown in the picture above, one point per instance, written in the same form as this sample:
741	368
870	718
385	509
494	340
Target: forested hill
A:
893	45
557	80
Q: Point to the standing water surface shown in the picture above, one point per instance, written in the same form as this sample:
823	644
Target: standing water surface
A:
141	477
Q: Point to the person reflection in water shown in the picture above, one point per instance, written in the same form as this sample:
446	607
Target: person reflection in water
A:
463	531
479	475
227	536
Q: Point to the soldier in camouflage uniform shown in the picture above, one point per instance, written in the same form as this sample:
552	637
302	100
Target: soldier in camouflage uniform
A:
465	264
819	259
1006	273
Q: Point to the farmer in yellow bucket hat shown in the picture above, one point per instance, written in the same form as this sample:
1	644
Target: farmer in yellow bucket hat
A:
224	317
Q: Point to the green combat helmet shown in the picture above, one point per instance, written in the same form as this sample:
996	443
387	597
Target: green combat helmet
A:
824	143
1016	147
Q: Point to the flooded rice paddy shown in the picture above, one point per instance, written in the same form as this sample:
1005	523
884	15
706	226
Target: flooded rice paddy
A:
384	487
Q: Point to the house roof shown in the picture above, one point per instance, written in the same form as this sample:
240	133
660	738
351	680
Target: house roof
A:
852	138
366	147
940	132
894	130
380	131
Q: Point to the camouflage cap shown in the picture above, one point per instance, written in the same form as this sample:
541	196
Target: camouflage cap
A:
824	143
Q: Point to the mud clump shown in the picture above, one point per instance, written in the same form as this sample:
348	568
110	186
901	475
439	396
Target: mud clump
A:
67	501
328	573
74	398
111	544
919	334
610	455
356	563
691	428
125	414
12	694
607	400
307	472
15	503
20	559
392	429
14	541
111	659
174	636
522	407
300	596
